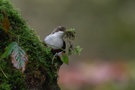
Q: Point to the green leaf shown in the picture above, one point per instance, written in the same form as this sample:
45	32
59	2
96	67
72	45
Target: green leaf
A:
18	55
19	58
77	50
9	49
64	58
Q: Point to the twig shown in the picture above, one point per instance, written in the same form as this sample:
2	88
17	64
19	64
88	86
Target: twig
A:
54	57
3	72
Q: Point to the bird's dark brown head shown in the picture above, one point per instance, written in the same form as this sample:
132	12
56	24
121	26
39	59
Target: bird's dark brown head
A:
59	28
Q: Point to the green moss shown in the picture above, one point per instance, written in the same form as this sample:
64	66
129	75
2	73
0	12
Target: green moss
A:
39	68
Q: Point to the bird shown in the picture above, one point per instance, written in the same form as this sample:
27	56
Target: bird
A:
56	42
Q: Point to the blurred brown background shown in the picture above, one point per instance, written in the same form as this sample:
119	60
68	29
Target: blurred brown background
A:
105	30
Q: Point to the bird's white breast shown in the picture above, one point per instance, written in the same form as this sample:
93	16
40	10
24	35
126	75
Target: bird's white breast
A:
54	41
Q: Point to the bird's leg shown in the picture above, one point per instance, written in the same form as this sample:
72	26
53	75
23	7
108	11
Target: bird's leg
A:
57	54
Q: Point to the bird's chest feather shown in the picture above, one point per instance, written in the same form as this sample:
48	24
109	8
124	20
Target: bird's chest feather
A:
54	42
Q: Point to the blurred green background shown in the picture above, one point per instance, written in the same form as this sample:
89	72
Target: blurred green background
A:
105	31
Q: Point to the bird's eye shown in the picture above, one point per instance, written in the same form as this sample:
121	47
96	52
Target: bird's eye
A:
60	29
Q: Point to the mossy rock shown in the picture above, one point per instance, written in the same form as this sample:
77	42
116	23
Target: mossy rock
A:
40	74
